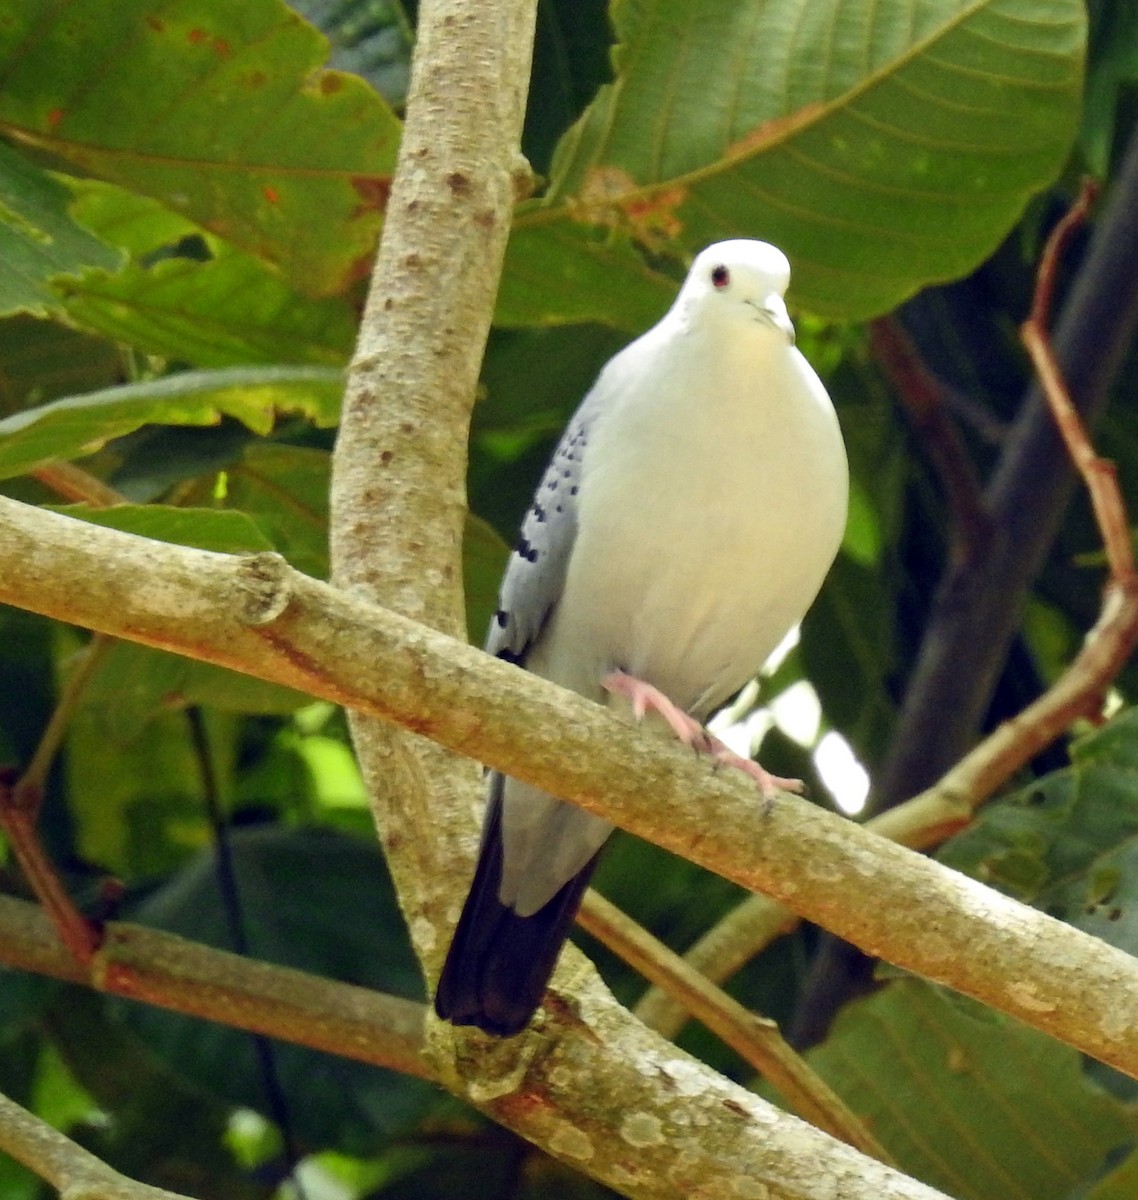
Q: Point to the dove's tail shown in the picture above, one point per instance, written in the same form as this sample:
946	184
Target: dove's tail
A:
499	963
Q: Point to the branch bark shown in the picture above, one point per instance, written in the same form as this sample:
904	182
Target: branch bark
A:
648	1152
76	1173
171	972
258	615
399	469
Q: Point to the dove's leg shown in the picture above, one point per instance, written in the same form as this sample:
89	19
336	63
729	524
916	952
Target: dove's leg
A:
644	698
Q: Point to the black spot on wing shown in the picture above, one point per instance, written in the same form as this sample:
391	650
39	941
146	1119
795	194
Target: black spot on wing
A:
526	550
535	574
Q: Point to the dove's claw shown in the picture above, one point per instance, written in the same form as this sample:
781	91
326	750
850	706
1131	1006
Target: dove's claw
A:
769	785
645	698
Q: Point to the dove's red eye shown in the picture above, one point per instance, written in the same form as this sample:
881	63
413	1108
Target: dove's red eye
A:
720	276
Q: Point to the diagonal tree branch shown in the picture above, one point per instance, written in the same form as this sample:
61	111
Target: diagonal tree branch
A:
741	1139
75	1172
756	1039
200	981
258	615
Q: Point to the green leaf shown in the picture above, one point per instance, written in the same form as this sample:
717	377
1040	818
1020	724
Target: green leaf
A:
558	273
967	1100
321	902
79	425
38	239
1120	1184
219	110
1068	843
133	781
883	146
204	528
156	1127
41	360
484	556
285	490
213	307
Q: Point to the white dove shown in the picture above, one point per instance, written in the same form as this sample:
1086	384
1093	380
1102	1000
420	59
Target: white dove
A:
685	524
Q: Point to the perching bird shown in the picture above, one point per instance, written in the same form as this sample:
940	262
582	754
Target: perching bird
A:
685	524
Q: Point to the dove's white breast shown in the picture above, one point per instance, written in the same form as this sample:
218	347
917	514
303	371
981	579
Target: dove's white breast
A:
712	501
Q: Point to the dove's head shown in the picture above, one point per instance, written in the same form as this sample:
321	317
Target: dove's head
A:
737	282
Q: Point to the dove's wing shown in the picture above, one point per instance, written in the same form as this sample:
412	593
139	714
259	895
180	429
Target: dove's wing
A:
535	574
500	960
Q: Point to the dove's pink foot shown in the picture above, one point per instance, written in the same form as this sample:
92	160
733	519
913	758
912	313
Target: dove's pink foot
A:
770	785
644	698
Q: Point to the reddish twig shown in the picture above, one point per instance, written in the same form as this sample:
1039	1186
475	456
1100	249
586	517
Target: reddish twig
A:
22	793
81	936
1099	474
921	396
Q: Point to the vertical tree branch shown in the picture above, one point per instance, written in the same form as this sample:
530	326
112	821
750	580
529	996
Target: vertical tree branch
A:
398	490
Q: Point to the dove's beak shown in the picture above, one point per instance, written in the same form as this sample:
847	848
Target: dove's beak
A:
773	309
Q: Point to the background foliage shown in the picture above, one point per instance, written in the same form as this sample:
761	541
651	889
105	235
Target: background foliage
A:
189	201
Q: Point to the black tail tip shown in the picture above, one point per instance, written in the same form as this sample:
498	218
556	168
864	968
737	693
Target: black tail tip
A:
499	1023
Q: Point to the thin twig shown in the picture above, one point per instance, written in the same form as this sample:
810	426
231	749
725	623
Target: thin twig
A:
81	936
1098	473
21	797
920	396
78	486
754	1038
28	790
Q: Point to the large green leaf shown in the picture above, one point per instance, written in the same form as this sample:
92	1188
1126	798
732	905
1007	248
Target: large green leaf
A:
192	297
79	425
43	360
967	1100
38	238
321	902
219	110
285	490
207	529
884	146
558	273
1069	843
155	1126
